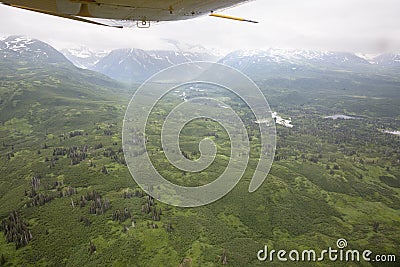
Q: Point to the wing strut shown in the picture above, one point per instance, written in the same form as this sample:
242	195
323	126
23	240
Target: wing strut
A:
230	17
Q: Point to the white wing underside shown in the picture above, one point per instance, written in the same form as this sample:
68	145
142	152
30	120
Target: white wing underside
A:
136	10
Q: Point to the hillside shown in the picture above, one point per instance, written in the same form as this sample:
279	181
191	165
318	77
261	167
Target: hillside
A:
37	78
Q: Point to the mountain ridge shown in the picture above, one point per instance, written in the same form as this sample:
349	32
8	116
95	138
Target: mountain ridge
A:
132	65
136	65
32	70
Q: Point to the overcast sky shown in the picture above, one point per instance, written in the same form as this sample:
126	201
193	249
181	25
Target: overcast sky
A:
366	26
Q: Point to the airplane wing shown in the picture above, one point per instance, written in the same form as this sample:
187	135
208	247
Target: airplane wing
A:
142	11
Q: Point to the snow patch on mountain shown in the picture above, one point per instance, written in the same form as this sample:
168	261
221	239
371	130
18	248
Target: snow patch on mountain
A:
181	47
368	57
84	57
18	44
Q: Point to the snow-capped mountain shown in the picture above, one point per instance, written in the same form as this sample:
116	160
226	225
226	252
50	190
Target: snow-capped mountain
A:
30	51
83	57
194	48
242	59
270	63
136	65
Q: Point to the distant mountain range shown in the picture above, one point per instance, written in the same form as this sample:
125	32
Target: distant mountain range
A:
260	64
259	60
136	65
